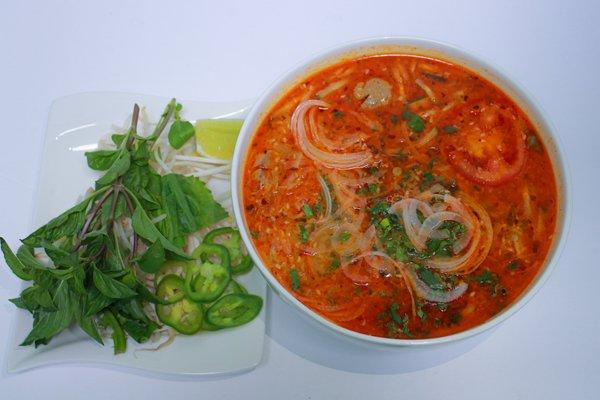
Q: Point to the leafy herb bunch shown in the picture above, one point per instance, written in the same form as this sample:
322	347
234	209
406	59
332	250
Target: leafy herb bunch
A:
94	272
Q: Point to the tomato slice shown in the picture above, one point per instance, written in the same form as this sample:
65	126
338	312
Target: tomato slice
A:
489	153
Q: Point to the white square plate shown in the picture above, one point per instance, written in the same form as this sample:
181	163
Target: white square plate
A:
75	125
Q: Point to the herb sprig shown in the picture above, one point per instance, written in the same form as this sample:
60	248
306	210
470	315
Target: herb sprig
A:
83	271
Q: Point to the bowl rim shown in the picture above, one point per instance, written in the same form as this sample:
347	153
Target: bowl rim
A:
421	46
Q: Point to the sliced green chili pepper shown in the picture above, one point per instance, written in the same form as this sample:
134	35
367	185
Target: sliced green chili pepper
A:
233	310
185	316
170	289
172	267
206	282
208	251
231	239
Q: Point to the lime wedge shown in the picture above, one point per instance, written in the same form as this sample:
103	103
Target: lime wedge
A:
216	137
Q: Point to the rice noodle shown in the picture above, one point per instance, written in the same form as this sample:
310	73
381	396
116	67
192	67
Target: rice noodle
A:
327	159
332	87
426	89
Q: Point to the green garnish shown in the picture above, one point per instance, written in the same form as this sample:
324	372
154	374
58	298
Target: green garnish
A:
93	279
415	123
344	236
338	114
308	211
181	131
514	264
303	234
385	223
335	263
533	143
295	279
450	129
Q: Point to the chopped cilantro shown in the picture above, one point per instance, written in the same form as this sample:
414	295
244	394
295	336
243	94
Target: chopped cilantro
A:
486	277
514	264
344	236
455	318
420	312
381	207
335	263
415	123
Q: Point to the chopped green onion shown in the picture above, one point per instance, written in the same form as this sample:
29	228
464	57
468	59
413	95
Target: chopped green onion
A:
308	211
303	234
295	279
450	129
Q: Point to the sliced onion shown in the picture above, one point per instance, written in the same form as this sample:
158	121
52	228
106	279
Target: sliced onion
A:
326	196
327	159
479	244
433	222
408	209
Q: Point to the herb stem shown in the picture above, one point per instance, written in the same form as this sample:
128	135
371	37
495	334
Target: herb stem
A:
92	216
164	119
134	121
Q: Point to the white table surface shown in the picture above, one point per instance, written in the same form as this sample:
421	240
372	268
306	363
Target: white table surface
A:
206	51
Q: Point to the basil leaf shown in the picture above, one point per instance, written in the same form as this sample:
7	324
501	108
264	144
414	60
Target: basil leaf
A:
95	302
47	324
88	325
118	168
143	226
139	330
153	258
16	266
179	133
28	259
101	160
36	297
111	287
66	224
118	138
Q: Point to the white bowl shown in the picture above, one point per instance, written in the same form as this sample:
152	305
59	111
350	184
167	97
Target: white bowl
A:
424	47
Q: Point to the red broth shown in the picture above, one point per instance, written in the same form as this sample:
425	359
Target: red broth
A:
393	134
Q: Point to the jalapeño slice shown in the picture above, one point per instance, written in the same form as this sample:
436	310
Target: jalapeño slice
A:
233	310
231	239
185	316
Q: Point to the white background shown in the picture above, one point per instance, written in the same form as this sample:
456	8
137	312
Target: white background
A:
218	50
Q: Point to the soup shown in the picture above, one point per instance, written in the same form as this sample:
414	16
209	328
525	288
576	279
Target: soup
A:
400	196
